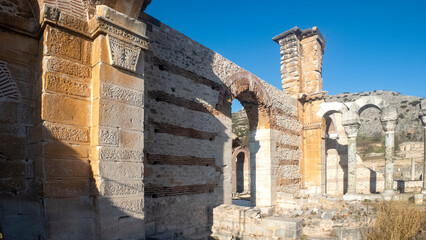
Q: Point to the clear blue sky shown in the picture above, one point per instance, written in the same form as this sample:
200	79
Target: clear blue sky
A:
371	45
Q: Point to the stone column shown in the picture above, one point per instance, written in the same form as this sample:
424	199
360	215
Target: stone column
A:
351	128
423	118
413	169
389	128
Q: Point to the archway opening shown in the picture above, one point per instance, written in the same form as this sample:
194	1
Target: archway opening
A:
240	155
370	150
335	162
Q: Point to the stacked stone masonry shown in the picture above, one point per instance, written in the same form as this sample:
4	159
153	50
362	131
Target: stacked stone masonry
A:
116	126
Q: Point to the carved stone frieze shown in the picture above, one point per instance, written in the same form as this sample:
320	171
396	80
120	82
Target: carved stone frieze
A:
110	28
123	54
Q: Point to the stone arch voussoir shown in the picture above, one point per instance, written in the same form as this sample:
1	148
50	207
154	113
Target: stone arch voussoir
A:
369	101
245	81
330	108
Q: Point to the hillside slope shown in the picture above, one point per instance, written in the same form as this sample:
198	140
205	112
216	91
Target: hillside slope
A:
409	126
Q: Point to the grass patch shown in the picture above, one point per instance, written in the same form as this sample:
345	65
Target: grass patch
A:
396	221
370	144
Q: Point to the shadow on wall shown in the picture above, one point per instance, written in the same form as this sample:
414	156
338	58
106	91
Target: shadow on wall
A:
188	132
341	152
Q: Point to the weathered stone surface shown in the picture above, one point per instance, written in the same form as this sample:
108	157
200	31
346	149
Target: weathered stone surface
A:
108	136
115	114
66	187
62	149
59	65
65	132
64	109
62	44
65	85
116	154
111	188
120	170
66	168
120	94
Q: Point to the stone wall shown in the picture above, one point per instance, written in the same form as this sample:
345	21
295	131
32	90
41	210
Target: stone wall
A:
21	210
117	128
235	222
188	138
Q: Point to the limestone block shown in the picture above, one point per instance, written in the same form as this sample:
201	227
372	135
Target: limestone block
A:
21	44
117	154
10	113
73	23
65	132
108	136
12	169
109	228
65	85
66	168
121	94
65	109
62	149
120	170
131	227
21	227
114	114
105	73
57	209
13	185
111	188
119	206
66	187
99	55
60	43
59	65
12	147
71	229
131	139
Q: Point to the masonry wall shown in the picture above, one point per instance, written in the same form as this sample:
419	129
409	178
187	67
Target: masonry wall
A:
21	214
188	138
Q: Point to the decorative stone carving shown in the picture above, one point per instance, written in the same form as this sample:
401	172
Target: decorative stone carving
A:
8	89
123	54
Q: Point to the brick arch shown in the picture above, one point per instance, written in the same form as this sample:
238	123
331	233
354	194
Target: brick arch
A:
249	90
8	89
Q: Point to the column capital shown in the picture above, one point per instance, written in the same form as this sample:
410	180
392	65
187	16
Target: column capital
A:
126	36
351	123
351	129
389	125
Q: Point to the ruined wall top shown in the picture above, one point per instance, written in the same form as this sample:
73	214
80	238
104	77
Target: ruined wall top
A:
301	34
301	61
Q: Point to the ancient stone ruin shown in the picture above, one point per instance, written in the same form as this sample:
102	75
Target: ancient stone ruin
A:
114	125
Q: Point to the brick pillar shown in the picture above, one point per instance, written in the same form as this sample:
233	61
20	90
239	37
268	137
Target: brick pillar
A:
301	68
117	123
